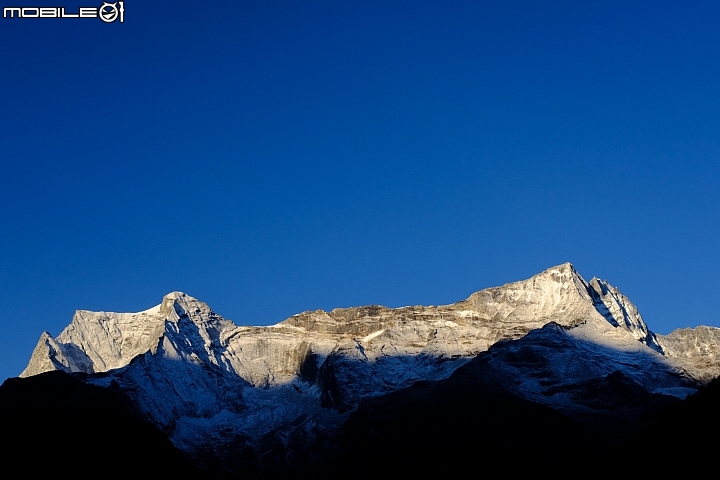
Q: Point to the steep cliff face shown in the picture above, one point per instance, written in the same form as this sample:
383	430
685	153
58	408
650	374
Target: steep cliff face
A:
697	349
620	312
98	341
50	355
206	381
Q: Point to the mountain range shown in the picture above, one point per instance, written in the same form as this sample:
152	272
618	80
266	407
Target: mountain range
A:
534	366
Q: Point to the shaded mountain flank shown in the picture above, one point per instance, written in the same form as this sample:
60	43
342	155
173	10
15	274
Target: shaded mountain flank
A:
55	424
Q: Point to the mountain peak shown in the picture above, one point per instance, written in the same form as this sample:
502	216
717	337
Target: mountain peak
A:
178	296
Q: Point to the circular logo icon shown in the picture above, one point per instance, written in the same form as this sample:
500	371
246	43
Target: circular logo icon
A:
109	12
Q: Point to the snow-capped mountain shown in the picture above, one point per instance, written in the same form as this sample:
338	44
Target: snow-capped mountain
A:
210	384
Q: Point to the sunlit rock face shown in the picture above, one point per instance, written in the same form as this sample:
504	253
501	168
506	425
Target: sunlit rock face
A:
697	349
203	379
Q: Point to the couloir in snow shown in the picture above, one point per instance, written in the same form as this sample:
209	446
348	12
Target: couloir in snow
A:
210	384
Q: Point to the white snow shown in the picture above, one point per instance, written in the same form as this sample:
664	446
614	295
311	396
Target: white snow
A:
371	336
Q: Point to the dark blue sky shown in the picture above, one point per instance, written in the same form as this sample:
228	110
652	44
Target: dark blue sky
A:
274	157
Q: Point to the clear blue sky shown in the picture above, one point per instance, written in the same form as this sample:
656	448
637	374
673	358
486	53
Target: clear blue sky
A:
274	157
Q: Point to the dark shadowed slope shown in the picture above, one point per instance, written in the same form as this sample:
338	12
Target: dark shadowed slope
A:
55	424
689	432
519	407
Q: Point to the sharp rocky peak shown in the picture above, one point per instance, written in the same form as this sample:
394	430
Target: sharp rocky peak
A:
101	341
